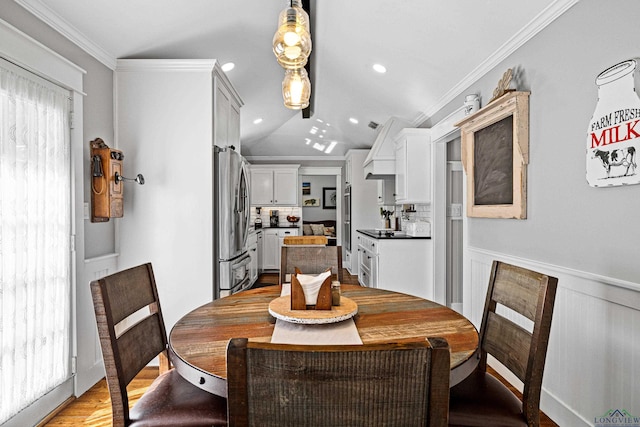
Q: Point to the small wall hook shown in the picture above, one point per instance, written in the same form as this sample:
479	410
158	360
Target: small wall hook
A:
139	179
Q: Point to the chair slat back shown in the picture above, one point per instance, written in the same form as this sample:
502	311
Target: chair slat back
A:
311	260
115	298
509	343
128	291
389	384
523	352
518	289
139	345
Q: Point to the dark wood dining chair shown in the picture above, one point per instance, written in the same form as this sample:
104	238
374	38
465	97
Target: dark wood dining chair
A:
481	399
310	260
170	400
388	384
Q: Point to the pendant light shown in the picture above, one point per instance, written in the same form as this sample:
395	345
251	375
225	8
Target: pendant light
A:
296	89
292	40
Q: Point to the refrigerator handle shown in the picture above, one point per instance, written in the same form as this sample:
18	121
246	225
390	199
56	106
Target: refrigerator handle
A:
245	202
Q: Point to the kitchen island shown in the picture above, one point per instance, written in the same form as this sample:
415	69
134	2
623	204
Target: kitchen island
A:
396	262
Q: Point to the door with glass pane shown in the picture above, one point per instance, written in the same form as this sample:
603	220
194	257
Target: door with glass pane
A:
35	235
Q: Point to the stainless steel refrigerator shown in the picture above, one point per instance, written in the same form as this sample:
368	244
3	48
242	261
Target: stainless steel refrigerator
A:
231	222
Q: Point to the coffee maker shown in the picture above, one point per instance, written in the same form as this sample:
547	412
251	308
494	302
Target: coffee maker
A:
258	222
273	218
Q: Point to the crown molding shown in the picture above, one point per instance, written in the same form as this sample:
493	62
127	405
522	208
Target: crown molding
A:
55	21
295	159
537	24
209	65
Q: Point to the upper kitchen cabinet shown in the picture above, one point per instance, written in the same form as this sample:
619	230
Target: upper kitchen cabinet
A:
386	192
227	115
274	185
168	116
413	166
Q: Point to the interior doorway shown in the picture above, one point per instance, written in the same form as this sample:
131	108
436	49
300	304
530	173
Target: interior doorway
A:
332	177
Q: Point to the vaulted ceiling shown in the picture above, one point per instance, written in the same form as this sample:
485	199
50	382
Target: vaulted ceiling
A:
432	50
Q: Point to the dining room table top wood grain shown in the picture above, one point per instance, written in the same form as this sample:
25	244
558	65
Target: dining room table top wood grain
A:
198	341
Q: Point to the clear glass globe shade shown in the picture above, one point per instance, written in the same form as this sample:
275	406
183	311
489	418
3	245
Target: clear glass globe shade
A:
292	41
296	89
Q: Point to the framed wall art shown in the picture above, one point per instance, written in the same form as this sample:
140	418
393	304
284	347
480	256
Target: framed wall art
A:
308	201
329	197
306	188
495	154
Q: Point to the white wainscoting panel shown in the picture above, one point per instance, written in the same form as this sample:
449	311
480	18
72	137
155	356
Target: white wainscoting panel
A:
90	366
593	360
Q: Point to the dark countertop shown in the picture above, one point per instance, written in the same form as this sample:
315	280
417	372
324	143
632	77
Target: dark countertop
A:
389	235
281	226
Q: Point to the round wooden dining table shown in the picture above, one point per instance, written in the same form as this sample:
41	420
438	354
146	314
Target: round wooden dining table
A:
198	341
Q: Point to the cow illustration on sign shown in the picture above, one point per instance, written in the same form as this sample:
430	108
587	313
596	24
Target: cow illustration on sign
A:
613	137
625	158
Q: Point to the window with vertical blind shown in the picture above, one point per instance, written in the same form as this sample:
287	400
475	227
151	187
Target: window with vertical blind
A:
35	229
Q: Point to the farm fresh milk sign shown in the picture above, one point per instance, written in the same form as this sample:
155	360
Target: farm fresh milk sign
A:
613	137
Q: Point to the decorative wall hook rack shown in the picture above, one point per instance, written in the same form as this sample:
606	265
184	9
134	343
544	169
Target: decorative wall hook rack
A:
139	179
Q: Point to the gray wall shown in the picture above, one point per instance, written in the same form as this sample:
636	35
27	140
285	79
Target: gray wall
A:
568	222
98	107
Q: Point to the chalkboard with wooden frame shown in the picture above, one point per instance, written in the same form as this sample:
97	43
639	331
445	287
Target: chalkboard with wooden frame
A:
495	154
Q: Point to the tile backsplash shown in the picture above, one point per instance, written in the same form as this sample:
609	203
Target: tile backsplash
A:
422	213
283	212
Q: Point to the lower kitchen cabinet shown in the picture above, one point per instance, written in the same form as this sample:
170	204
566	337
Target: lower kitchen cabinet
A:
272	242
254	253
400	265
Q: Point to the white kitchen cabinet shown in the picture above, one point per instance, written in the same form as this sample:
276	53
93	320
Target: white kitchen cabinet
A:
413	166
272	244
161	107
274	186
252	249
260	237
227	126
397	264
261	187
386	192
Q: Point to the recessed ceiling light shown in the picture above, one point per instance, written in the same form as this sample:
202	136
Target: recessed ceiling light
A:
353	120
228	66
307	140
257	121
380	68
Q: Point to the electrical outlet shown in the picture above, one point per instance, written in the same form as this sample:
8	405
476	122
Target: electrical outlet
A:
85	210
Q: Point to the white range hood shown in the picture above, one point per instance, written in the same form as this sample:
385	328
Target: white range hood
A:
381	161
